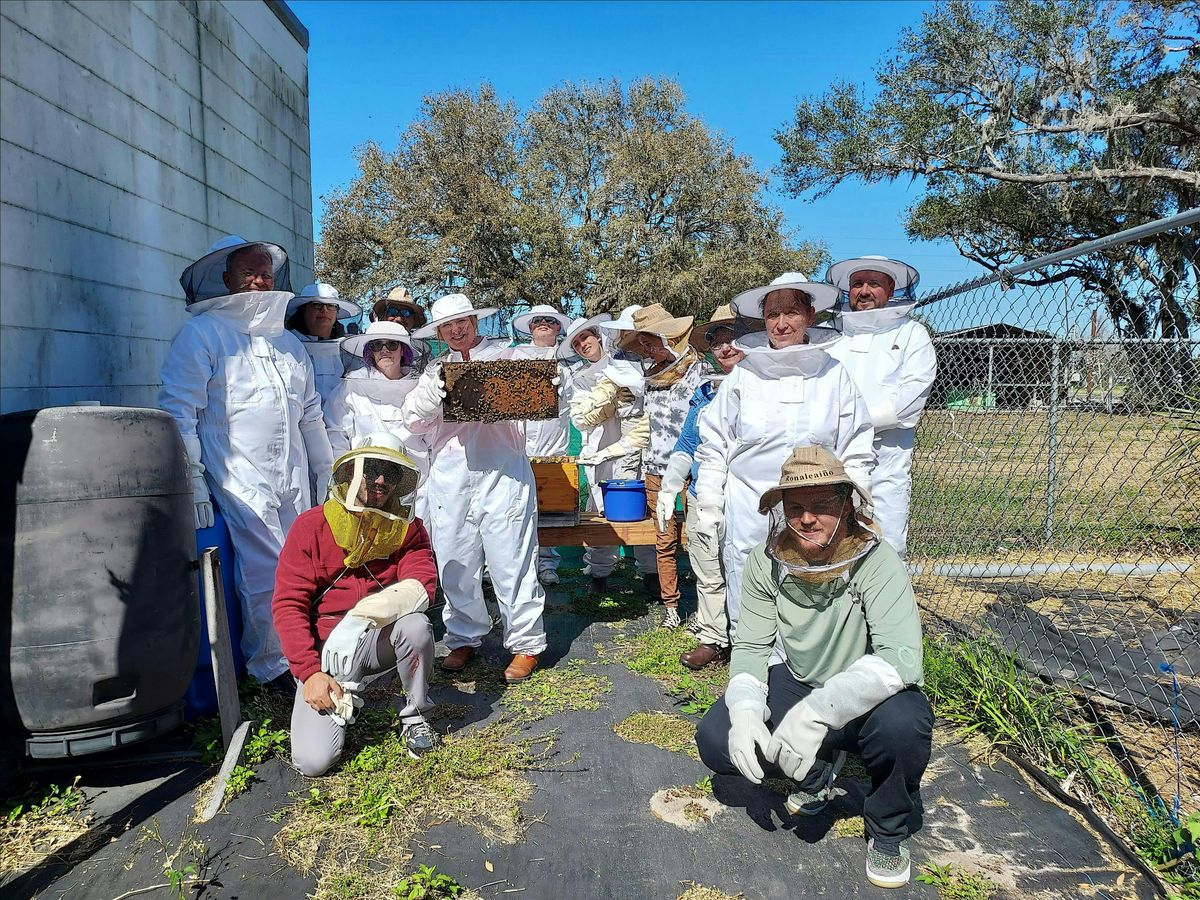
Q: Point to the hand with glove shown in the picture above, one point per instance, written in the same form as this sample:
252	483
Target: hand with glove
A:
426	398
596	457
203	502
386	606
337	656
795	743
746	700
346	707
679	467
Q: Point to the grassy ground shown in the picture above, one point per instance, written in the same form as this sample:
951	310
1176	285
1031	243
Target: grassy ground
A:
980	482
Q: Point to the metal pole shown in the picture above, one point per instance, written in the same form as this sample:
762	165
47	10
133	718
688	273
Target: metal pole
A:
989	399
1052	444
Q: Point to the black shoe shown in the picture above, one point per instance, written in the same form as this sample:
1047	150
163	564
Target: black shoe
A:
653	588
599	585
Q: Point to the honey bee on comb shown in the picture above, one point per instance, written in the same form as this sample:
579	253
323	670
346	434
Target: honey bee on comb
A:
499	390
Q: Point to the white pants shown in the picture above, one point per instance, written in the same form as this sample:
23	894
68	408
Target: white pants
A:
712	621
891	485
492	517
599	562
743	530
257	539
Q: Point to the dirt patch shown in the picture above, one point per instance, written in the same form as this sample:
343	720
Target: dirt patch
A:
686	807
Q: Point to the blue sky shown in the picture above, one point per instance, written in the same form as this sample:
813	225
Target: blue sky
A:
742	66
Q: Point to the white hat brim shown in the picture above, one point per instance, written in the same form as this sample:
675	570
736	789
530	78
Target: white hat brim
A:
748	304
521	322
565	350
901	272
346	308
203	280
356	344
429	329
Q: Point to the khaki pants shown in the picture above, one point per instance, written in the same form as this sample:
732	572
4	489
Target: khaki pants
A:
712	622
666	545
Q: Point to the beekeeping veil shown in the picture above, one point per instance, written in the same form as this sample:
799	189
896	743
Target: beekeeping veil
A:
813	466
371	497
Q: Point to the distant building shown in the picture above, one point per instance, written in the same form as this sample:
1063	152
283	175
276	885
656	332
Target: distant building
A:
996	366
133	135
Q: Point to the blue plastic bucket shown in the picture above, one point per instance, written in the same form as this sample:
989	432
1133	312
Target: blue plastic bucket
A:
624	501
201	696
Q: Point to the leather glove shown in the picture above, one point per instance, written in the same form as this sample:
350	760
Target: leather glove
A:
674	478
204	507
746	700
603	455
346	707
428	395
337	656
386	606
797	740
747	733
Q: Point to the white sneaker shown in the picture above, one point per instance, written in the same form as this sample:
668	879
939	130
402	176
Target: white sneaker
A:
548	577
670	617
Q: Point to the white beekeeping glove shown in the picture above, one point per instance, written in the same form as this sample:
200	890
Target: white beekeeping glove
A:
674	478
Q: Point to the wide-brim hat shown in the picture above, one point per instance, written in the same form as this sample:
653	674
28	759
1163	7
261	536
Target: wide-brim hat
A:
356	344
905	276
749	304
624	320
808	466
447	309
522	322
203	280
655	319
320	292
398	296
576	328
722	315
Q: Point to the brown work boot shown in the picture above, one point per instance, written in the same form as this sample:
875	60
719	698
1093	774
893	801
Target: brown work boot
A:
704	655
456	660
520	668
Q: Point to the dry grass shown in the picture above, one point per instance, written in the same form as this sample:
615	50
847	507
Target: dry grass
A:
693	891
374	805
660	729
40	823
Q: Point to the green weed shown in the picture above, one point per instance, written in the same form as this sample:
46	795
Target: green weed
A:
955	884
554	690
656	654
427	883
239	780
38	821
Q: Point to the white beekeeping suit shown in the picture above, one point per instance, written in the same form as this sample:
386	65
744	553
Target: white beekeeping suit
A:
545	437
325	354
481	504
242	391
772	401
366	401
893	362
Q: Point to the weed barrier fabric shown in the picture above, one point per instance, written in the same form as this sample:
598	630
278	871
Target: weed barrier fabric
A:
1104	666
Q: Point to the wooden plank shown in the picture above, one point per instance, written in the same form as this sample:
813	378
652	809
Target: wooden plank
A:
597	531
233	753
224	674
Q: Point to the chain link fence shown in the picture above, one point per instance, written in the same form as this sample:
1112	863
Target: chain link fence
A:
1056	487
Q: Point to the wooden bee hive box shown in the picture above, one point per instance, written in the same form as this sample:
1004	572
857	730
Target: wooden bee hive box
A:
557	482
497	390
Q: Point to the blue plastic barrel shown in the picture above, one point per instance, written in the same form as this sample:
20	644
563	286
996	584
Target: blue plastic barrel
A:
201	697
624	501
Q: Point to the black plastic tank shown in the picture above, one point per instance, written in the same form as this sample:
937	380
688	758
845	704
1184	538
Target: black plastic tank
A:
100	622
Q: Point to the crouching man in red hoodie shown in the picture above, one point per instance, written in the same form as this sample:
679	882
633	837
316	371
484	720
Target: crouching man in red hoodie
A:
355	577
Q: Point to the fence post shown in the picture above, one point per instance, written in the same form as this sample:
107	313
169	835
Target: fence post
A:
1052	442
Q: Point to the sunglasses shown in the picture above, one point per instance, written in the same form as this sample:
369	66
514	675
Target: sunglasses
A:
383	345
402	311
390	472
710	336
542	320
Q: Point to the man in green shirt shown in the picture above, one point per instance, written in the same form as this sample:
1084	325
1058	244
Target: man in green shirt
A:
839	603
